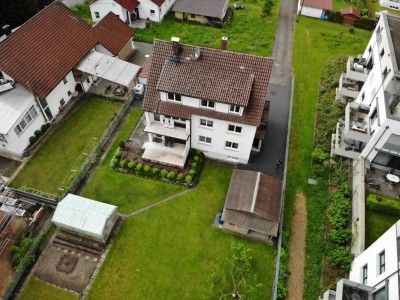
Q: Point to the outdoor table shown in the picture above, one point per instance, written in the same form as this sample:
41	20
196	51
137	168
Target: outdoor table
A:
393	178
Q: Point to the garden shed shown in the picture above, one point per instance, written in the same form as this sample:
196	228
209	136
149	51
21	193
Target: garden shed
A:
85	217
350	15
315	8
253	205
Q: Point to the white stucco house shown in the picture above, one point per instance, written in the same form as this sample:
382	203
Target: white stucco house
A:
371	85
315	8
41	69
208	99
131	10
375	273
392	4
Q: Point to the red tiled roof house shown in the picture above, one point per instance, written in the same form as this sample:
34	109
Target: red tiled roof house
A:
38	63
203	98
131	10
315	8
350	15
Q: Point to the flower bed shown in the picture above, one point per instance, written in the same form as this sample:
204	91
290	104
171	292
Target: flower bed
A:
129	161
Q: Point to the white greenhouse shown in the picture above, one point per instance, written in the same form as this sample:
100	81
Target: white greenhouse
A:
85	217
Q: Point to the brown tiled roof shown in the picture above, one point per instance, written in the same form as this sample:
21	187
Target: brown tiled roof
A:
113	33
129	5
144	73
350	11
217	60
43	50
253	200
202	79
215	8
323	4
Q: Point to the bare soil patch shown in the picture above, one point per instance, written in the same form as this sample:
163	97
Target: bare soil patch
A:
297	249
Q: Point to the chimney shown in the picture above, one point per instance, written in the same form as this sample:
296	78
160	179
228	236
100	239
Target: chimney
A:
224	43
6	30
175	45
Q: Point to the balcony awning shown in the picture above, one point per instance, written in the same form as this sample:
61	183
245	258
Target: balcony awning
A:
160	129
109	68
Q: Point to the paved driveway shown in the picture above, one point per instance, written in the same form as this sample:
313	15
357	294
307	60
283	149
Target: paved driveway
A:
279	92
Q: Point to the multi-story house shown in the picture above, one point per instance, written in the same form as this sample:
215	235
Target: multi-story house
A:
371	85
130	11
208	99
392	4
375	273
39	69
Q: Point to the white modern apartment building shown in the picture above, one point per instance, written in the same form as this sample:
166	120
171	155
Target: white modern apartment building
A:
46	62
209	99
375	273
392	4
371	85
131	10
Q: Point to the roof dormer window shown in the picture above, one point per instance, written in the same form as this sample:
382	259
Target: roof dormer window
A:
207	104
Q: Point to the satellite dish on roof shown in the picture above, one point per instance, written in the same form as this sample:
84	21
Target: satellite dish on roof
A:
197	52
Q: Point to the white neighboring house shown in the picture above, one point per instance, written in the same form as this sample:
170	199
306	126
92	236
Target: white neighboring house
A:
39	69
131	10
375	273
208	99
315	8
392	4
371	127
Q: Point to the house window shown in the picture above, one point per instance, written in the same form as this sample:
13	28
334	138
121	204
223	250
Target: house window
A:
65	80
235	109
193	16
364	274
382	262
62	102
207	104
362	97
206	123
3	138
385	73
97	14
382	53
381	294
174	97
69	93
152	11
204	139
234	128
32	113
231	145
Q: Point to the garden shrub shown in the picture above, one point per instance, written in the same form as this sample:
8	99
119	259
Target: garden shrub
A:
340	236
121	144
139	168
335	17
131	165
171	175
155	172
44	127
194	165
192	172
319	155
345	189
319	171
189	179
19	251
114	162
164	173
198	152
32	140
351	30
38	133
122	163
147	169
340	257
180	177
196	158
117	155
365	23
384	205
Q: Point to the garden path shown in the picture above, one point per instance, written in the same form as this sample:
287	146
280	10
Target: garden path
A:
297	249
154	204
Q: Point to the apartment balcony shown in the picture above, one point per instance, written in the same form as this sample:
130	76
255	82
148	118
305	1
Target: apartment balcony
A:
356	70
348	87
175	155
355	124
167	129
344	147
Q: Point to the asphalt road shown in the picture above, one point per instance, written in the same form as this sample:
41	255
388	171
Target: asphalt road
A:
279	92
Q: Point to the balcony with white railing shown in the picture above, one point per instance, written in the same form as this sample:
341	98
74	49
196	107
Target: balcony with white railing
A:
348	87
167	129
344	147
355	70
356	125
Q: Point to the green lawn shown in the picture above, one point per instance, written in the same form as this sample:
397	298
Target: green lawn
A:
38	290
248	32
375	7
376	224
167	252
315	42
48	167
128	192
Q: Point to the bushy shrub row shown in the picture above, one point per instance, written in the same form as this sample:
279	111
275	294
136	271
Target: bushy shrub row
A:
38	133
119	163
365	23
383	205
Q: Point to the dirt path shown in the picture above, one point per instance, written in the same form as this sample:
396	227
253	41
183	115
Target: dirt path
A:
297	249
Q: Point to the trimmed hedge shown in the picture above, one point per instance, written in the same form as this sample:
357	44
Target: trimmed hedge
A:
386	205
365	23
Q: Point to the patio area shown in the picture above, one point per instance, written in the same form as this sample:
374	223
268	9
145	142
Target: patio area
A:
383	182
110	89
